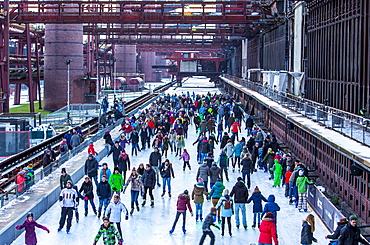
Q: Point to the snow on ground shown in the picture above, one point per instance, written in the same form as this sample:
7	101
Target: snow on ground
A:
151	225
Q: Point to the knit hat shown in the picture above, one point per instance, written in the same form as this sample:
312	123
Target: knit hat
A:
301	172
226	192
64	170
219	180
108	131
200	180
256	189
239	179
90	155
186	192
106	164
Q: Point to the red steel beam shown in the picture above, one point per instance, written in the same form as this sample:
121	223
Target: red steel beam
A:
132	12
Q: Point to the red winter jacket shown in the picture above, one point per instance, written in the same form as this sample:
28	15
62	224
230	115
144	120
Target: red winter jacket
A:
151	124
183	203
267	232
91	150
235	127
287	176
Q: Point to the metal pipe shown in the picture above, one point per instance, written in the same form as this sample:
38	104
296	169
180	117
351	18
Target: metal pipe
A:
68	63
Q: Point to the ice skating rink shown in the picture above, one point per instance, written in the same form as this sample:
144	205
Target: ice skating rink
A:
152	225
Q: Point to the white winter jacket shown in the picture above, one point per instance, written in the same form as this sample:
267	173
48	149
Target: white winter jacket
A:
172	137
115	210
222	203
229	149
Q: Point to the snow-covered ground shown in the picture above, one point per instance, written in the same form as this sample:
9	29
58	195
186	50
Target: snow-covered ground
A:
151	225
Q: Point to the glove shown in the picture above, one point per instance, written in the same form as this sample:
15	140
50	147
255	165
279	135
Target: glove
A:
18	227
46	229
314	240
86	198
126	218
192	214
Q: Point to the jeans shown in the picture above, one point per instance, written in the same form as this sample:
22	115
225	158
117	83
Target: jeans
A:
224	170
249	129
219	135
236	161
104	202
199	209
168	181
205	182
202	156
236	135
248	179
241	207
258	216
156	169
92	205
134	148
146	188
178	216
205	234
134	196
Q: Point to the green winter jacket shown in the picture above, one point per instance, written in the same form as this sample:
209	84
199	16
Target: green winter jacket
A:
109	234
116	182
301	183
278	169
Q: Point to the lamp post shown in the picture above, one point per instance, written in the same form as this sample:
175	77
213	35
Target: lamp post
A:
114	77
97	78
68	63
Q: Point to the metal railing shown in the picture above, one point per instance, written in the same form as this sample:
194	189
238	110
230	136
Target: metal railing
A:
348	124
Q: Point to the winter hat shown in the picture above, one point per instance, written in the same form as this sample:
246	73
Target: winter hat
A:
200	180
219	180
301	172
90	155
226	192
269	215
22	172
133	169
352	217
186	192
106	164
108	131
70	181
64	170
214	163
287	168
30	166
29	214
256	189
239	179
116	168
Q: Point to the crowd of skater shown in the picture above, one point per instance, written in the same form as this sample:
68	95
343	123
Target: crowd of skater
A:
219	122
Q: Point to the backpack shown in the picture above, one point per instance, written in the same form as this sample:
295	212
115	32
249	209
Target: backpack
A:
227	204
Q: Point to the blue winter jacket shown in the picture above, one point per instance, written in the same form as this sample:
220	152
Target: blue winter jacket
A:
271	206
217	190
237	151
257	199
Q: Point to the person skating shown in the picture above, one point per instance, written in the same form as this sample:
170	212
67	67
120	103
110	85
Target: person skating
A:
114	211
116	182
180	144
240	194
247	169
116	150
216	194
186	157
124	164
64	177
91	168
208	222
257	199
301	183
88	194
166	171
340	225
272	207
288	173
237	151
308	228
197	197
214	174
183	203
29	224
108	232
149	184
68	203
105	171
104	194
350	234
223	160
155	160
136	188
278	171
108	138
203	172
134	142
268	230
226	204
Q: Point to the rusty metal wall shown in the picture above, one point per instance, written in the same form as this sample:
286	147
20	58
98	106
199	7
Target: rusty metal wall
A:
274	45
338	66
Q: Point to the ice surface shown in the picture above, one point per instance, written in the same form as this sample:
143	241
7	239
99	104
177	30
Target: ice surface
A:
151	225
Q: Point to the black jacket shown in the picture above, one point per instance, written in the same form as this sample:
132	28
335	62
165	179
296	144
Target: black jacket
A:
204	147
224	141
108	139
247	165
103	190
336	233
123	164
240	192
134	137
149	178
155	159
166	171
249	123
306	234
87	189
116	151
350	235
91	167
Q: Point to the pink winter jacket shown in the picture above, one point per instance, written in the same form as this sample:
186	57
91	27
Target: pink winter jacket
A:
183	203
